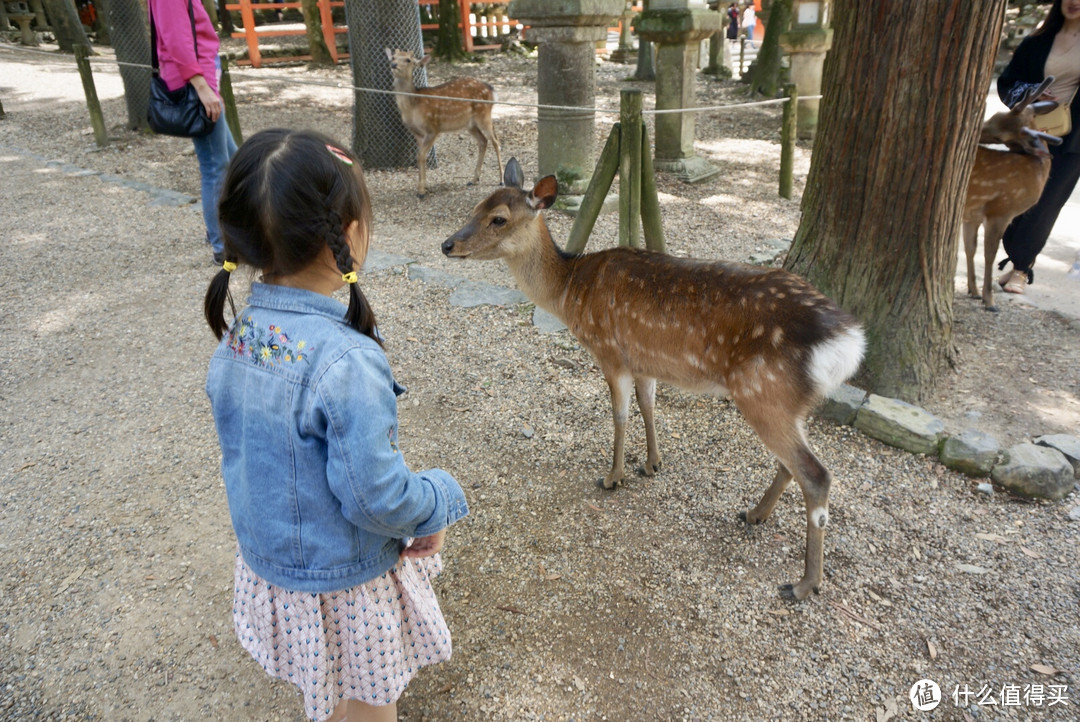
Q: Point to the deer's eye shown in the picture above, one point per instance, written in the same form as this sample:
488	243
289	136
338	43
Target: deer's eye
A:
498	221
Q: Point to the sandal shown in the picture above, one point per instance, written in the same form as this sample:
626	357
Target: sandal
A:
1016	282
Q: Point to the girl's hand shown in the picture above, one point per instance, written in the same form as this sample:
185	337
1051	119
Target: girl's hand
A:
211	102
425	546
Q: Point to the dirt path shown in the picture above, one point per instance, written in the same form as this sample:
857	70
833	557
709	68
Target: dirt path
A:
566	602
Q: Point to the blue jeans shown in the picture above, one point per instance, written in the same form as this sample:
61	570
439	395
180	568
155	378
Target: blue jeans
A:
214	152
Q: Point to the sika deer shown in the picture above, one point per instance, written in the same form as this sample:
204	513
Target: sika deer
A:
1005	183
427	117
764	337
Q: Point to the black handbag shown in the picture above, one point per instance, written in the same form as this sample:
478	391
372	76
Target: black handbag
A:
177	112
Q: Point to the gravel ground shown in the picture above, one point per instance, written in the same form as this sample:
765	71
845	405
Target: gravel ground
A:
565	601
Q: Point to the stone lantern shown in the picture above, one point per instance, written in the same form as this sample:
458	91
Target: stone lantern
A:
567	32
806	44
678	27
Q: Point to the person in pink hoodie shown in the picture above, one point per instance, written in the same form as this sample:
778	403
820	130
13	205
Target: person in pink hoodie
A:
182	59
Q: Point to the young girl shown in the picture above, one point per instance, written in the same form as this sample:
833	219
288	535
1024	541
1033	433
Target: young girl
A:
331	595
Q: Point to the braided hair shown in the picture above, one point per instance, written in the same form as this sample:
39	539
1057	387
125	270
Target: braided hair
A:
287	196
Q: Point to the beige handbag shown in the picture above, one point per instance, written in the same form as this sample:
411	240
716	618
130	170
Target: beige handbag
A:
1058	121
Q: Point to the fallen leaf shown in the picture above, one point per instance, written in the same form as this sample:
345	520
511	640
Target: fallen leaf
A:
512	610
460	409
594	507
779	612
446	689
971	569
213	641
553	576
1045	669
993	537
26	466
70	579
579	683
931	649
1030	553
410	338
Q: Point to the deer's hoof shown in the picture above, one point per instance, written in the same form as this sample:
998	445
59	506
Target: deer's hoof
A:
421	195
743	516
992	308
792	592
648	469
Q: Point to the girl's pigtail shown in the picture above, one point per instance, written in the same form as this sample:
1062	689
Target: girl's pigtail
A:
359	315
216	295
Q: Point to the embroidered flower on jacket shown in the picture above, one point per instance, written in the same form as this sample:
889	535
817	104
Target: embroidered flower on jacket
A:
264	348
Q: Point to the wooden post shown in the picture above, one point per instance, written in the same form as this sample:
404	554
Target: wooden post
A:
630	169
742	56
650	199
248	18
326	17
593	200
229	100
788	130
82	58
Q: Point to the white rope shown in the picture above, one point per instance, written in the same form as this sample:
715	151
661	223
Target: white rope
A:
262	75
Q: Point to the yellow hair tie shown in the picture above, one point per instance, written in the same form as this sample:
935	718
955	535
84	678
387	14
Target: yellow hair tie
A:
350	277
229	266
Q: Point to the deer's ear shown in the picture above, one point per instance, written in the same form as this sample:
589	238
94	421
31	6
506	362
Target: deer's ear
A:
544	193
513	177
389	54
425	60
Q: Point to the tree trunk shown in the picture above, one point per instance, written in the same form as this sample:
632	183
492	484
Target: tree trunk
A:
891	160
226	19
131	41
764	73
64	20
379	137
101	27
646	60
320	53
448	41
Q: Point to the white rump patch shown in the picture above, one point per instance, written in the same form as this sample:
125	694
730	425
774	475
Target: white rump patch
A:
835	360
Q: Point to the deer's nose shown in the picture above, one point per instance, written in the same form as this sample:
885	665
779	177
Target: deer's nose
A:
448	245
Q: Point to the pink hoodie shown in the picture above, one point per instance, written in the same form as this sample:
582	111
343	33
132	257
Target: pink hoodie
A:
176	52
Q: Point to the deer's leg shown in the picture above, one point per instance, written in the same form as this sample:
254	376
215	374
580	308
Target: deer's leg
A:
481	149
489	130
424	147
993	230
768	502
646	399
620	408
785	435
971	231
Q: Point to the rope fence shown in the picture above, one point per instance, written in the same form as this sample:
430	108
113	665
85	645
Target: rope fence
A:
265	75
627	152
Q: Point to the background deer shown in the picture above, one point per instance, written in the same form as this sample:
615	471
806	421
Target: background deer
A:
764	337
427	117
1005	183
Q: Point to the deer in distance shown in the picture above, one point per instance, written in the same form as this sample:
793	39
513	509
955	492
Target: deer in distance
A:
1005	183
764	337
431	113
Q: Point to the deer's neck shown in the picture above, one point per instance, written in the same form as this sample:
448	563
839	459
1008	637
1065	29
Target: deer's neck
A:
404	85
541	271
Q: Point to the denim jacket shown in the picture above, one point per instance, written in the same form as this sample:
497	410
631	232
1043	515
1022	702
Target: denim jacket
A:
306	415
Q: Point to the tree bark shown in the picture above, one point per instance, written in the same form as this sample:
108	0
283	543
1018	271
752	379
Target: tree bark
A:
64	19
101	27
448	41
764	73
891	160
226	19
320	53
131	41
379	137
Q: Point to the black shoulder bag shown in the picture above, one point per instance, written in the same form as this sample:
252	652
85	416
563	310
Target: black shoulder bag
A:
177	112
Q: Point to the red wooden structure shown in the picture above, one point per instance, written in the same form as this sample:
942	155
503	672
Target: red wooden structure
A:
482	27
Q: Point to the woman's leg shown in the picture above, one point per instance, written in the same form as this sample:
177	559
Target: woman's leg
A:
214	151
1026	235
